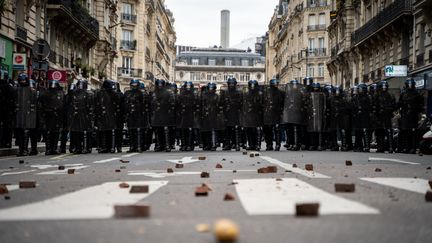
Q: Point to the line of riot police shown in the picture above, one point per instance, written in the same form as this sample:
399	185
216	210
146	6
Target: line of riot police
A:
307	117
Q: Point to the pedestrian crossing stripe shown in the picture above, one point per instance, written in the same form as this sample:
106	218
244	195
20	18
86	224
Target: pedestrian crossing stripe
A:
271	197
96	202
407	184
310	174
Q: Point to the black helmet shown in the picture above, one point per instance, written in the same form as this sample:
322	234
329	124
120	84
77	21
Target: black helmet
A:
410	83
54	84
252	84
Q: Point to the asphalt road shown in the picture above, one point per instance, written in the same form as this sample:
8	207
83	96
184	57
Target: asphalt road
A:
387	206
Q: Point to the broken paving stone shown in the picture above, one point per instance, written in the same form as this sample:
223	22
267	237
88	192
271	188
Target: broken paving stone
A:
124	185
263	170
348	163
294	166
428	196
309	167
226	230
345	187
179	166
378	170
428	168
7	197
61	167
21	161
251	155
169	170
229	197
244	153
278	179
3	189
202	228
122	167
27	184
219	166
272	169
234	171
257	154
307	209
117	170
258	162
132	211
201	191
206	186
71	171
124	161
205	174
139	189
233	183
202	158
223	159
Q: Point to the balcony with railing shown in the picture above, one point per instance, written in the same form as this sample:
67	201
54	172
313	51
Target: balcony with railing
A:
150	5
316	27
317	52
75	12
387	16
129	72
334	51
128	45
160	43
316	3
129	18
21	33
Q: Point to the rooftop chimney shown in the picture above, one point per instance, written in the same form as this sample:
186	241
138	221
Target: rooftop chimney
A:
225	28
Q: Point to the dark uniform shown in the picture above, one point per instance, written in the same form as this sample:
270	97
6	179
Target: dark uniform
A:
252	115
340	120
80	105
411	105
163	115
212	117
386	105
25	100
107	102
120	119
6	111
361	109
51	106
315	107
273	105
232	99
293	115
187	108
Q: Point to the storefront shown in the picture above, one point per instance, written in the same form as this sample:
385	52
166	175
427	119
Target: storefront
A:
6	48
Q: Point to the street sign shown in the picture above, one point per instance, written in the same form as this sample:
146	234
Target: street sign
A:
19	61
40	65
41	49
57	75
396	71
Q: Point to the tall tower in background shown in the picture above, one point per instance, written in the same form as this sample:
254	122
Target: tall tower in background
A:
225	28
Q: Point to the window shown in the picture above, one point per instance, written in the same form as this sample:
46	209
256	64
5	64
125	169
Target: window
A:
212	62
245	62
311	44
214	77
247	76
226	76
127	8
242	77
310	70
228	62
195	62
321	44
194	76
322	19
312	19
127	65
107	17
321	70
127	35
209	77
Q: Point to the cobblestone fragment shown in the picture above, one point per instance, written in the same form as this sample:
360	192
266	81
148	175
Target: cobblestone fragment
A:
132	211
345	187
139	189
307	209
27	184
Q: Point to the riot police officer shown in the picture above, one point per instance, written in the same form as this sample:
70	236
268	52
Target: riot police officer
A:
136	116
410	105
119	118
51	106
361	109
187	108
315	110
272	109
212	117
252	115
163	114
386	105
6	110
25	100
340	120
80	105
232	99
293	115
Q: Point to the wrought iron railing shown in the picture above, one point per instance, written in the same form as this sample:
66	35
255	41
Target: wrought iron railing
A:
130	18
316	3
386	16
128	45
129	72
316	27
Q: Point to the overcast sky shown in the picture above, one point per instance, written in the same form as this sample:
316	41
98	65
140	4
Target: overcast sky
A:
197	22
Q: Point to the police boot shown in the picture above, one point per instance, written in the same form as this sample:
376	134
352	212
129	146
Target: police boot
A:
48	143
227	142
213	141
78	142
296	145
344	147
21	143
380	138
86	142
366	146
145	145
103	147
63	141
138	141
390	140
119	140
277	138
320	142
259	139
183	140
167	139
33	143
237	138
113	142
413	142
132	141
190	140
54	142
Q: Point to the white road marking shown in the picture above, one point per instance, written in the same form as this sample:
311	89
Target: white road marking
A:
231	171
60	156
393	160
63	172
95	202
161	174
408	184
310	174
4	170
17	172
105	160
271	197
12	187
185	160
129	155
43	167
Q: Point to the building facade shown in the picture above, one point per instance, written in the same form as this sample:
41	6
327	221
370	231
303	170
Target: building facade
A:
366	36
204	65
147	42
297	41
